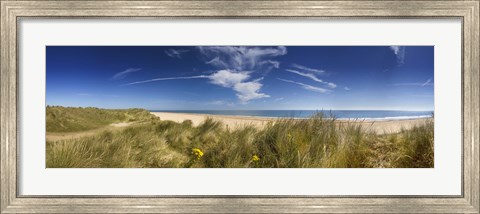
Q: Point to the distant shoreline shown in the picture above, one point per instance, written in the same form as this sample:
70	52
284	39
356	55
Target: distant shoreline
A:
369	119
379	126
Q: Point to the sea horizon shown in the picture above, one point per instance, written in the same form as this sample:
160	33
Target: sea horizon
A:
339	114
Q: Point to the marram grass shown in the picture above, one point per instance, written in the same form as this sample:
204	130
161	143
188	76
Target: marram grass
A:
317	142
73	119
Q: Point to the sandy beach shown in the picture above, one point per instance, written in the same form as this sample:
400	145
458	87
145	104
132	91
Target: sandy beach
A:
379	126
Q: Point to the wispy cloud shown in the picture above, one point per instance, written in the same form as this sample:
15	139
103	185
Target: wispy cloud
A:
241	58
346	88
427	82
420	84
216	62
275	64
307	87
168	78
279	99
304	68
399	52
125	73
176	53
312	77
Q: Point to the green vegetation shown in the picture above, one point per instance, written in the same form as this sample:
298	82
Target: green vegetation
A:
318	142
69	119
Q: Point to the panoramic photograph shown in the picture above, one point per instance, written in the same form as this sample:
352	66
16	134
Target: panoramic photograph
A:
239	107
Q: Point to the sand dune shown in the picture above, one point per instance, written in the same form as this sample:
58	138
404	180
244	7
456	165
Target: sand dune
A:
381	126
54	136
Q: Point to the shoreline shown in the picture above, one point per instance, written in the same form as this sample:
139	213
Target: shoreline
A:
400	118
234	121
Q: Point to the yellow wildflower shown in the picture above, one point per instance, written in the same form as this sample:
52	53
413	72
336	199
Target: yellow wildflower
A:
197	152
255	158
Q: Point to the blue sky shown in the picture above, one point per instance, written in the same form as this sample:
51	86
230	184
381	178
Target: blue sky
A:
245	77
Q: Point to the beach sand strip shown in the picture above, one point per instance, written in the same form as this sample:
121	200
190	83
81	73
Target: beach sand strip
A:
379	126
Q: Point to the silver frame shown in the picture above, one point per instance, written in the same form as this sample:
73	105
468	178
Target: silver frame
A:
12	202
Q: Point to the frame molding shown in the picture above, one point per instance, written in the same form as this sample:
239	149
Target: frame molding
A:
11	11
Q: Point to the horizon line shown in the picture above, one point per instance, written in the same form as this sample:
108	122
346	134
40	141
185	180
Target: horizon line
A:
246	109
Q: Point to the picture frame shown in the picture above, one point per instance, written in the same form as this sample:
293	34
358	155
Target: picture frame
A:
12	11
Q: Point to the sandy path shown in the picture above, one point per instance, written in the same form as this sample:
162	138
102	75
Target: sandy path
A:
120	124
383	126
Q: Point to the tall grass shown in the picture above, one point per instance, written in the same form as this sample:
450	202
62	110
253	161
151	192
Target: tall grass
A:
135	147
416	146
71	119
289	143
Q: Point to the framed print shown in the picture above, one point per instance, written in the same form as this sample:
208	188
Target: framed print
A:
244	106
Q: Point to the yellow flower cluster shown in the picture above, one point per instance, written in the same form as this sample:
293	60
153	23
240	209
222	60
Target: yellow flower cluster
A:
255	158
197	152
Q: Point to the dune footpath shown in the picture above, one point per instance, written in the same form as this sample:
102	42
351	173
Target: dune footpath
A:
379	126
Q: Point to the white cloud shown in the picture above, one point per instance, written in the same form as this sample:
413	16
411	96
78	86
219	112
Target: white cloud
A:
175	53
279	99
314	70
312	77
421	84
247	91
240	58
123	74
307	87
346	88
399	51
227	78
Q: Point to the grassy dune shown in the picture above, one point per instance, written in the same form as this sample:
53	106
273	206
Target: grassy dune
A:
69	119
311	143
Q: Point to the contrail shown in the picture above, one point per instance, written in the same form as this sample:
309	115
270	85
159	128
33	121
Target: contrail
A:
312	77
168	78
427	82
307	87
422	84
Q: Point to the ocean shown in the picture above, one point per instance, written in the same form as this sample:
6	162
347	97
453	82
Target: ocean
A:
340	114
